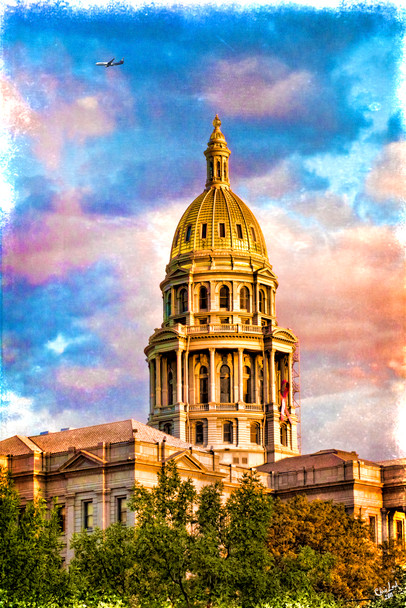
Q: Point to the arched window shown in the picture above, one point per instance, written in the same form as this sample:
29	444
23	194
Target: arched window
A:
285	432
176	238
167	428
225	297
261	386
245	299
199	432
247	384
204	384
170	387
183	303
203	298
261	304
168	304
228	432
224	169
255	433
225	384
218	169
211	168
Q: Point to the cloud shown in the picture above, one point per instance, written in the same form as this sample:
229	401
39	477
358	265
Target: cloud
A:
88	378
387	178
276	183
341	292
251	87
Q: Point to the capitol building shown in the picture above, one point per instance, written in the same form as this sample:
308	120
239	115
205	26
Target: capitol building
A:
224	391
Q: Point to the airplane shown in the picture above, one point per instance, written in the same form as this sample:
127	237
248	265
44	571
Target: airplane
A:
109	64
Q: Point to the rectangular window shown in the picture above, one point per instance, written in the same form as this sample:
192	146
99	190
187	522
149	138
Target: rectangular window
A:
372	527
239	231
88	514
224	320
188	233
222	229
61	517
203	321
204	231
399	531
254	236
122	510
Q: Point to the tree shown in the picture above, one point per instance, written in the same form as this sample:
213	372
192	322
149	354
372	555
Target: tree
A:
163	539
343	560
249	511
103	562
30	559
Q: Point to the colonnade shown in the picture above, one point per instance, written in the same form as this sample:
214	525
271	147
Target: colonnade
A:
264	389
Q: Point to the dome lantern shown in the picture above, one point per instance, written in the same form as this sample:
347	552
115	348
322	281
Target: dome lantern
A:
217	154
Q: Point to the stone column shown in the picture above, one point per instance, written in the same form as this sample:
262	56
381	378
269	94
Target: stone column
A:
265	379
272	376
235	377
158	389
151	367
70	525
186	377
212	395
178	375
240	375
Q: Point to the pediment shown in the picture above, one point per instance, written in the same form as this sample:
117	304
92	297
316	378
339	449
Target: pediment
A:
267	273
164	334
178	272
281	333
186	460
82	460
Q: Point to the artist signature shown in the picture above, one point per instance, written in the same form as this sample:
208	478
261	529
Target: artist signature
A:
387	592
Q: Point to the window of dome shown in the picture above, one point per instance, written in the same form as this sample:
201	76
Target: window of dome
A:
167	428
218	169
204	231
199	432
255	433
204	384
225	297
203	298
261	303
183	300
245	299
228	432
254	236
239	231
170	389
225	384
247	384
168	304
188	233
222	230
176	238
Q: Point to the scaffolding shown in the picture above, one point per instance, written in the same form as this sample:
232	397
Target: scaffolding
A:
296	392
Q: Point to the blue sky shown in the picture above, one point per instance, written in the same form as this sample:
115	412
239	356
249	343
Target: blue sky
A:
100	164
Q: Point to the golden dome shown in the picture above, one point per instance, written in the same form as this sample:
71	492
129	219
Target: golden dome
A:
218	219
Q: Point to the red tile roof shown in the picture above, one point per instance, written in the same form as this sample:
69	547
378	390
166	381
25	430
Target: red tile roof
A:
86	437
318	460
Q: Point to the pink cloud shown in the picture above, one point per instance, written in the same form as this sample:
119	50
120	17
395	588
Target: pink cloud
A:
16	114
387	179
341	293
255	87
278	182
87	378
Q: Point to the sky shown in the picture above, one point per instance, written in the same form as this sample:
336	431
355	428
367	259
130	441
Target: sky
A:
99	164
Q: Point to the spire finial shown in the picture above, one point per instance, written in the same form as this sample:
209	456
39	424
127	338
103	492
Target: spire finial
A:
217	155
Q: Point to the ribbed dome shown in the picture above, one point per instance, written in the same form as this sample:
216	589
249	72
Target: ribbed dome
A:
218	219
214	213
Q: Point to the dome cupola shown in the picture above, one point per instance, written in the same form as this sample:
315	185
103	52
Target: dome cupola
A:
218	220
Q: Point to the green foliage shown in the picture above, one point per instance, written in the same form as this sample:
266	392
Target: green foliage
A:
343	559
102	561
30	560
